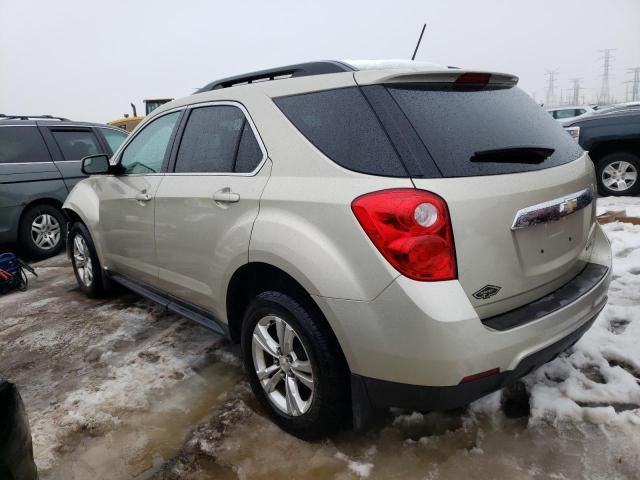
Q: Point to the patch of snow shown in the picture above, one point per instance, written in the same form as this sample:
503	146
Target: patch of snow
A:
361	469
41	303
630	204
393	64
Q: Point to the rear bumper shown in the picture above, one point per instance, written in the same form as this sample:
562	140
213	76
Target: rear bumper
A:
374	393
429	335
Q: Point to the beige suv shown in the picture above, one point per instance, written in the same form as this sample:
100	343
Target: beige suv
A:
413	237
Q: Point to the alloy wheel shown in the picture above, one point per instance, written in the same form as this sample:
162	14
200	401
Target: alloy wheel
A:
46	231
282	365
619	176
82	260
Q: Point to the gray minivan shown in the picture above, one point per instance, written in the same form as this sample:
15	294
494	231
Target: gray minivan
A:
39	165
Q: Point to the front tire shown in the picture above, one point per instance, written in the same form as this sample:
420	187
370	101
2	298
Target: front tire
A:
84	259
295	366
618	174
42	231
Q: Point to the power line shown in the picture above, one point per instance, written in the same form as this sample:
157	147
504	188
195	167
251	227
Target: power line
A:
607	59
575	90
635	84
550	96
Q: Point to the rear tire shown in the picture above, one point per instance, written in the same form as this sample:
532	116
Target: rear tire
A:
310	396
84	259
619	174
43	230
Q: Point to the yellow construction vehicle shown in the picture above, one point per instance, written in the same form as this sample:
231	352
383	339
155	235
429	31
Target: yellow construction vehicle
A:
128	123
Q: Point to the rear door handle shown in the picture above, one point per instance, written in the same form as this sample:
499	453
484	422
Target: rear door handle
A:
143	197
226	196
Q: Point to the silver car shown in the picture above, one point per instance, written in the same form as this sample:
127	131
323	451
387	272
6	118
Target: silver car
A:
373	237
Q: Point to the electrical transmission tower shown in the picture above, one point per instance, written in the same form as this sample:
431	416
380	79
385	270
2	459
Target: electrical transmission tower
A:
635	84
575	90
550	97
607	59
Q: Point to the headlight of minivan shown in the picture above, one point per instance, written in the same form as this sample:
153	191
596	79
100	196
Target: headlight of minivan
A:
574	132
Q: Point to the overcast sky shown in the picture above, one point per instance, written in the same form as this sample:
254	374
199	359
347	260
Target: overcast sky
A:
87	59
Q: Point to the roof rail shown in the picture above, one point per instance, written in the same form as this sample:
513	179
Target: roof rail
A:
27	117
298	70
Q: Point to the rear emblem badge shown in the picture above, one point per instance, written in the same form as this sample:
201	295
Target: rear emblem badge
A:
486	292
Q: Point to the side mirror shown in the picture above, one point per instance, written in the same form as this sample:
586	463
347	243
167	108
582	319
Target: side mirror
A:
96	165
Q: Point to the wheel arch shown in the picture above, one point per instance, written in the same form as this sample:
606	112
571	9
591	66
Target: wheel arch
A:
54	202
256	277
599	149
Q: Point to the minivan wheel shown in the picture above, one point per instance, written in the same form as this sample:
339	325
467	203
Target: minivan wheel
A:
42	231
84	259
618	174
295	367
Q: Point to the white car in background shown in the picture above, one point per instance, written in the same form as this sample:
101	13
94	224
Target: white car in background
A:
570	112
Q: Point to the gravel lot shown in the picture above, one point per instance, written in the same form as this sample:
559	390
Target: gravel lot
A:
116	388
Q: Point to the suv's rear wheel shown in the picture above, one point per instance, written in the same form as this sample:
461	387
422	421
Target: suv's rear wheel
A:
295	368
42	231
84	259
618	174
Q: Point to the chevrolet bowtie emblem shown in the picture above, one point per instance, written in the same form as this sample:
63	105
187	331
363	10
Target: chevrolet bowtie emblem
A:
569	206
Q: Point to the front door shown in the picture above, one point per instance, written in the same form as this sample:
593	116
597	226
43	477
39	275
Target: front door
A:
127	201
206	206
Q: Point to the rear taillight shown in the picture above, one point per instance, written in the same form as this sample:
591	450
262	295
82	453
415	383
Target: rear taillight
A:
412	230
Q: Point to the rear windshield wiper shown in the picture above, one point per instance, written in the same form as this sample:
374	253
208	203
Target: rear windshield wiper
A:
531	155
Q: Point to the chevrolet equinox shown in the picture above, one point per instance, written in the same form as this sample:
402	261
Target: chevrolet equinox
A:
374	235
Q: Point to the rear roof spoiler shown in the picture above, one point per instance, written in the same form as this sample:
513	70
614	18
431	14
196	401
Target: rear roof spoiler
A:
366	77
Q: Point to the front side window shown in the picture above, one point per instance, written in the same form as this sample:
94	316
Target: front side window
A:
22	145
218	139
146	152
76	144
114	137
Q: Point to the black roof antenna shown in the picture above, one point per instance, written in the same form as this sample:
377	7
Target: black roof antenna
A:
419	40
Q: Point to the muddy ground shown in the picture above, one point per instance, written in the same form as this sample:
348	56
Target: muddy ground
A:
117	389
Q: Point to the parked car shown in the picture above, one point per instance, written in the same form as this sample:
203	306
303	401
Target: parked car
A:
612	138
567	113
39	164
412	237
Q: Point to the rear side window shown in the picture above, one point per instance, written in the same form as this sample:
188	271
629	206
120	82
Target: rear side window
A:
113	137
76	144
22	145
218	139
341	125
484	131
249	152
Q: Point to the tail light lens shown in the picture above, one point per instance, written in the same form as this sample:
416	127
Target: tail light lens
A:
412	230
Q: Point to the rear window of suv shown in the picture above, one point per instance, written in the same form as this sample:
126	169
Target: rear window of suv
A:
431	130
484	131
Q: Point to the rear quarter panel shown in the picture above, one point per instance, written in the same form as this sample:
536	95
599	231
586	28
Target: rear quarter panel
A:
305	225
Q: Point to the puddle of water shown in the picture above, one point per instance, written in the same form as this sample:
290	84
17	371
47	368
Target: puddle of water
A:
434	446
141	443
